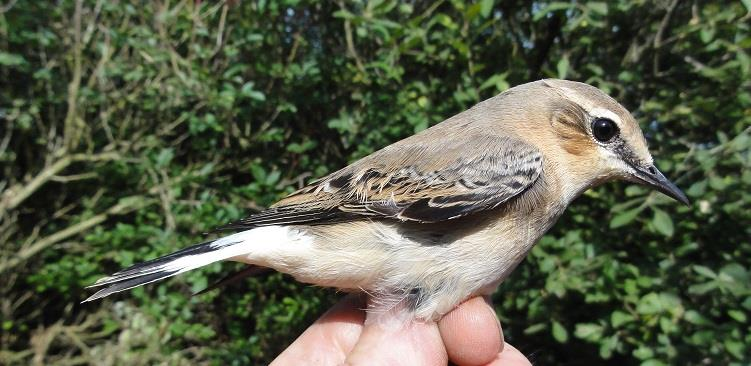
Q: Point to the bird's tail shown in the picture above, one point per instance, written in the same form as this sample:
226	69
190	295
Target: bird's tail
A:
184	260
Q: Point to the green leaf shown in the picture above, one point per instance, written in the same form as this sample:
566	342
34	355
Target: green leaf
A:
737	315
588	331
704	271
259	174
562	66
693	317
486	6
747	303
656	303
559	332
697	189
598	7
636	191
248	91
608	345
662	222
618	318
498	81
344	14
164	157
624	218
735	271
707	34
653	362
11	59
735	348
702	288
643	353
535	328
273	178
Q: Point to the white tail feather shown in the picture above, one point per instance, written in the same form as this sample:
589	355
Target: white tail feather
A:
243	245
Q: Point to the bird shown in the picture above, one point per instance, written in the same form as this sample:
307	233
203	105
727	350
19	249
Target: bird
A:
443	215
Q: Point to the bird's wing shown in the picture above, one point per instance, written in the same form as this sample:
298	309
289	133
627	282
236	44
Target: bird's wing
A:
413	181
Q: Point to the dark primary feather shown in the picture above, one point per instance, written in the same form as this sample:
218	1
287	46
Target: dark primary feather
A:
150	271
154	265
136	281
411	181
288	216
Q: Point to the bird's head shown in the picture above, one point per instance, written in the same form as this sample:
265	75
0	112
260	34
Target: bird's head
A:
601	140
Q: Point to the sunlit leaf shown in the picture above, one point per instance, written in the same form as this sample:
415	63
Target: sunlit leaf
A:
662	222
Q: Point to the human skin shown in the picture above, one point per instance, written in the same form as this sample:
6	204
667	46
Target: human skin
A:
468	335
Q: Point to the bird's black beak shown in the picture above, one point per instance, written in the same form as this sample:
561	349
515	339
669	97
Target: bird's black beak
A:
651	177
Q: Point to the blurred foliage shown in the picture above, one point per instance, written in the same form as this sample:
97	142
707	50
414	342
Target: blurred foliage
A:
129	129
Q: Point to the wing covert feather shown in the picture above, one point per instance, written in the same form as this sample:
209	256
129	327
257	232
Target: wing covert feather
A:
413	182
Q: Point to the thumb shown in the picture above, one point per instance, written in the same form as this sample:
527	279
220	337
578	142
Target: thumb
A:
394	338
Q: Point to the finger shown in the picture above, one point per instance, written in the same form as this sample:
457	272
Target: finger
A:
472	333
395	339
510	356
330	338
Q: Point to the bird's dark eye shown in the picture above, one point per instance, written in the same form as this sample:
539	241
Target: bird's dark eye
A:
604	129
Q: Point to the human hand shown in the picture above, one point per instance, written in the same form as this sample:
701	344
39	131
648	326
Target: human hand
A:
468	335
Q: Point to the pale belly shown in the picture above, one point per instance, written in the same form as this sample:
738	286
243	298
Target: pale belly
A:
429	268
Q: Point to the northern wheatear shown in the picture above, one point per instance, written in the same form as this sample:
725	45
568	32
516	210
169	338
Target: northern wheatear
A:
443	215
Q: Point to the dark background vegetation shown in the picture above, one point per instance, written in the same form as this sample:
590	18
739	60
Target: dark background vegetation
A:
129	129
